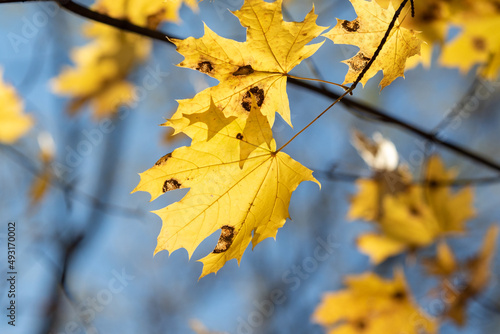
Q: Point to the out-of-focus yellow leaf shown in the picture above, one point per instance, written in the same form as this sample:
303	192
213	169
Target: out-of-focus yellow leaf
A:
238	196
367	203
101	68
452	210
366	32
475	45
14	123
379	246
479	41
410	216
373	305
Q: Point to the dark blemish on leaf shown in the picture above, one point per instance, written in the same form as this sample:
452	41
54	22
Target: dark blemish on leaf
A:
358	62
399	295
239	136
431	13
433	184
205	67
163	159
350	26
479	43
360	324
247	99
226	238
244	70
171	184
414	211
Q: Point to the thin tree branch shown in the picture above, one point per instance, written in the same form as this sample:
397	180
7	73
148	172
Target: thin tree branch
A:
125	25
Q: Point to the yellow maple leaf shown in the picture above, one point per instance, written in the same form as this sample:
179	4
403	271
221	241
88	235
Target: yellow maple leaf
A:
366	32
236	198
14	123
410	216
256	67
371	304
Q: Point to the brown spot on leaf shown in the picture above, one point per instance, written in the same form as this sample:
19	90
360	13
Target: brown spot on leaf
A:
399	295
239	136
205	67
350	26
358	62
247	99
163	159
433	184
171	184
431	13
360	324
226	238
414	211
479	43
244	70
